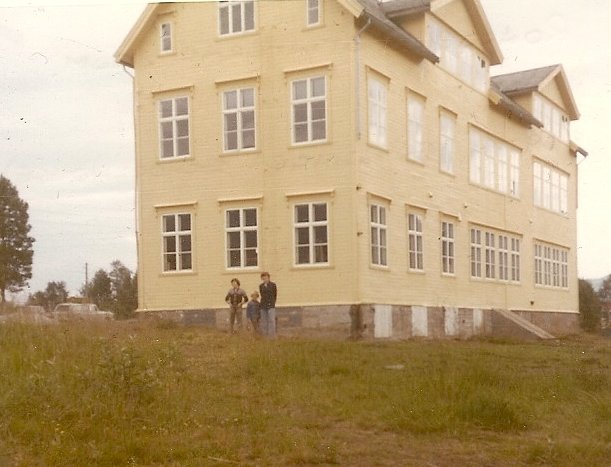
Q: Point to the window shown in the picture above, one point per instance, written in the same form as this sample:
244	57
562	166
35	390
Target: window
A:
456	55
239	119
476	253
177	249
241	228
313	12
447	247
309	100
311	233
553	118
490	254
166	37
493	164
377	112
551	266
415	242
503	249
378	235
501	255
236	17
515	260
447	128
174	127
550	188
415	126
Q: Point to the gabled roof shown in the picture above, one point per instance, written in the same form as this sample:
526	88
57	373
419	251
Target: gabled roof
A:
374	12
125	53
402	8
499	98
528	81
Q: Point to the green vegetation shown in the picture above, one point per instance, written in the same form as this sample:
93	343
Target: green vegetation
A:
140	393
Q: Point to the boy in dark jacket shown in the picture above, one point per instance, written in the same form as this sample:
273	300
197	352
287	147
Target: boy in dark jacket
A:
235	298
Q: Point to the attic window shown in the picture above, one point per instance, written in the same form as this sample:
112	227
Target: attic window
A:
166	37
236	17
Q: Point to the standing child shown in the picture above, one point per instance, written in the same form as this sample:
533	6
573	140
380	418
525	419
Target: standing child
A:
253	313
235	298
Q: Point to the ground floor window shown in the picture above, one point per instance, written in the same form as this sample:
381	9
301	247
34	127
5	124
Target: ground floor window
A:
447	247
311	233
242	237
378	227
177	242
551	266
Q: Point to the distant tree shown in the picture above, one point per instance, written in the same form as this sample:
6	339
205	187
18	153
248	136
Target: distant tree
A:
15	243
589	307
99	290
124	290
54	294
604	293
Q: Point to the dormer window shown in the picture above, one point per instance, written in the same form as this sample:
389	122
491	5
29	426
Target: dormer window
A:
554	120
166	37
236	17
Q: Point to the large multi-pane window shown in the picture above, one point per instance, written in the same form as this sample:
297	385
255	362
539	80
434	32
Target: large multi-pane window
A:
311	233
554	120
415	127
415	242
447	247
236	17
313	12
456	55
494	255
447	130
377	218
239	119
174	127
493	163
177	242
551	266
242	233
309	109
166	37
550	188
377	95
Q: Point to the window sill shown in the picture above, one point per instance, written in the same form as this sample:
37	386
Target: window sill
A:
178	273
241	152
167	53
234	35
418	272
379	267
415	161
308	144
311	27
169	160
446	173
305	267
492	190
378	147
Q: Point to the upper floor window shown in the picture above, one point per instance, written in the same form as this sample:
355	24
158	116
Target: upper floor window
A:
239	119
174	127
447	130
309	101
378	235
241	230
377	111
236	17
177	244
554	120
415	127
313	12
493	163
166	37
311	233
550	188
456	55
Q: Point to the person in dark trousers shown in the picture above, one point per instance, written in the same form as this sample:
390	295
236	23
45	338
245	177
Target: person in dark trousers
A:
253	312
269	293
235	298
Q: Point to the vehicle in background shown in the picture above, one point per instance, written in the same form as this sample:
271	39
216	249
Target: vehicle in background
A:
80	310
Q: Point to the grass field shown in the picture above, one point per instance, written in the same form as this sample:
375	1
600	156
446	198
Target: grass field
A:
140	393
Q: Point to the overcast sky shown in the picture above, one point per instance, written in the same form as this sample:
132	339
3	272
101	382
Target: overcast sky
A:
66	134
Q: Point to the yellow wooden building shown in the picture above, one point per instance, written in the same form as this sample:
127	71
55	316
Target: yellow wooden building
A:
362	154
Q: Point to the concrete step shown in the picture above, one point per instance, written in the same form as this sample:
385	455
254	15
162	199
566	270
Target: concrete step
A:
525	324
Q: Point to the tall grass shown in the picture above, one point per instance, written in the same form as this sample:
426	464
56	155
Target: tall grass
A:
139	394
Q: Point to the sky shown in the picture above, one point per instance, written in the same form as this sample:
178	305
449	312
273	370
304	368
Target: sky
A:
66	122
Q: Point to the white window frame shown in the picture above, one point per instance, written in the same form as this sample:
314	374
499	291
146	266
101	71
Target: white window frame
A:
378	219
503	253
377	96
415	127
515	260
476	253
447	141
550	188
166	42
493	164
244	6
311	225
243	230
181	253
313	7
311	101
448	248
415	245
490	255
551	266
176	121
240	110
555	121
